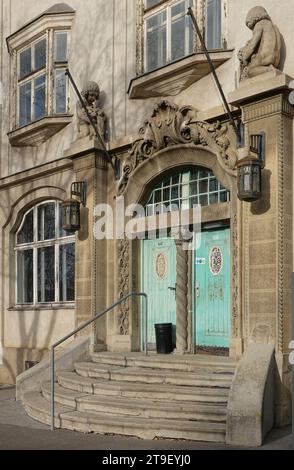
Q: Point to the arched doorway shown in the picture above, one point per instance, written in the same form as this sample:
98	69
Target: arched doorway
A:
208	260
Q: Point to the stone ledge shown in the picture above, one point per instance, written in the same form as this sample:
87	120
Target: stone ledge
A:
173	78
257	87
36	133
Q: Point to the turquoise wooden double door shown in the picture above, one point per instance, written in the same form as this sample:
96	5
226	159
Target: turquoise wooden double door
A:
210	287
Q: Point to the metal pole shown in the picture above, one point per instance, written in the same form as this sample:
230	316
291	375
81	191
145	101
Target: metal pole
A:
52	390
292	354
146	325
212	68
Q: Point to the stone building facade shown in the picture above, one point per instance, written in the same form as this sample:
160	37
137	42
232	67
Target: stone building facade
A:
159	113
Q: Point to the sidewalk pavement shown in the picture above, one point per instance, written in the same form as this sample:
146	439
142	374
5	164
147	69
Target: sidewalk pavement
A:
19	432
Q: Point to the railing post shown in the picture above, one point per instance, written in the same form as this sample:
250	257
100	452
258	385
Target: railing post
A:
146	324
52	390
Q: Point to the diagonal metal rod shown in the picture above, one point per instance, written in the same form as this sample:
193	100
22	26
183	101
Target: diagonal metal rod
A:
212	68
91	120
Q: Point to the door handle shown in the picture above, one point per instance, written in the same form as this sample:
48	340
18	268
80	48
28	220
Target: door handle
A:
197	290
172	288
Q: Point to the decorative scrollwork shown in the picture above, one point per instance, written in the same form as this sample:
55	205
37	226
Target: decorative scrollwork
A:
170	125
123	285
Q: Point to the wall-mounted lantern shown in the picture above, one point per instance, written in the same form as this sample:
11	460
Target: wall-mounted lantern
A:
70	209
250	170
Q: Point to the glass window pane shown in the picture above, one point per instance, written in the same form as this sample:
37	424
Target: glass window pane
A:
25	102
26	233
40	97
213	185
60	105
46	222
213	24
151	3
25	63
181	31
60	48
213	198
67	273
203	186
40	54
25	269
156	41
46	274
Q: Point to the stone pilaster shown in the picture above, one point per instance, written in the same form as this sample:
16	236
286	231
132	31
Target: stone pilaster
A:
91	254
267	230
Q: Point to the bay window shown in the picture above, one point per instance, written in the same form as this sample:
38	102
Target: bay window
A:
168	30
37	64
45	258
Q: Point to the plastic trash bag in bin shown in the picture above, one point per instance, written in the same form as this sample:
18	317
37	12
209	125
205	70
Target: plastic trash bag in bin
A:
164	341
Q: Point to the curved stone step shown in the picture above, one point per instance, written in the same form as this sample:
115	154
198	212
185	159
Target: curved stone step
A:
188	363
38	408
165	392
143	428
151	376
146	408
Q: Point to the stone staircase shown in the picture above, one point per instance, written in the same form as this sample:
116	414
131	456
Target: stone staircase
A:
180	397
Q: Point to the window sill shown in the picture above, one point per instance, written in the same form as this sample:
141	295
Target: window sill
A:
27	307
37	132
172	79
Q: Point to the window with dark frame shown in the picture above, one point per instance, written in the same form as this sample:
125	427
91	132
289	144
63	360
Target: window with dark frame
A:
45	258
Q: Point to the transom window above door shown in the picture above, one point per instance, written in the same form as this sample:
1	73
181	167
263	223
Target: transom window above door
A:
185	189
45	258
168	31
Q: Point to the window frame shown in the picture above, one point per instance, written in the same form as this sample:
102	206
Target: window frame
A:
184	185
49	71
56	242
200	10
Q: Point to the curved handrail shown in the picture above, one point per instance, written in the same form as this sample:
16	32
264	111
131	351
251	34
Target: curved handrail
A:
82	327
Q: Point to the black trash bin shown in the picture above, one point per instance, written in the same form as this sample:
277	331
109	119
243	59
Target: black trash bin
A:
164	341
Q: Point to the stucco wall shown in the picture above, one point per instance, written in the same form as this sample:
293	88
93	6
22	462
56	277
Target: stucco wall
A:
103	48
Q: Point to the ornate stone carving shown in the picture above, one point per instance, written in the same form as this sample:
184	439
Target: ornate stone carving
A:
123	285
91	94
170	125
263	52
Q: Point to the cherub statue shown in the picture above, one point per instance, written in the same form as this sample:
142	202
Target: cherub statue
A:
263	52
91	94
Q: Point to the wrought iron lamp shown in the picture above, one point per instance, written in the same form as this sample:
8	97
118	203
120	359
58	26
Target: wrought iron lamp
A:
250	170
71	210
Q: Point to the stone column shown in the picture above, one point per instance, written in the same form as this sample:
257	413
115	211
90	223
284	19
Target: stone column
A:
182	296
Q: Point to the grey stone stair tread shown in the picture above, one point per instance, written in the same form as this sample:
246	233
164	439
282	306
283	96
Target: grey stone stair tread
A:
145	423
38	402
65	392
137	387
155	404
136	371
172	360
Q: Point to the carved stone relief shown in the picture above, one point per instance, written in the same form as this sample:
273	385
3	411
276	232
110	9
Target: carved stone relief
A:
124	285
170	125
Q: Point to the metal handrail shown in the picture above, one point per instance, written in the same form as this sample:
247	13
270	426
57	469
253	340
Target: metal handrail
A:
77	330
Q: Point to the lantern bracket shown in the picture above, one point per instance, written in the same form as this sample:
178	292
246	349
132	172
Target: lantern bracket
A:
257	146
79	189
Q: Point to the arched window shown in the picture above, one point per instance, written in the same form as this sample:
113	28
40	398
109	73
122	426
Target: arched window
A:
45	257
182	190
